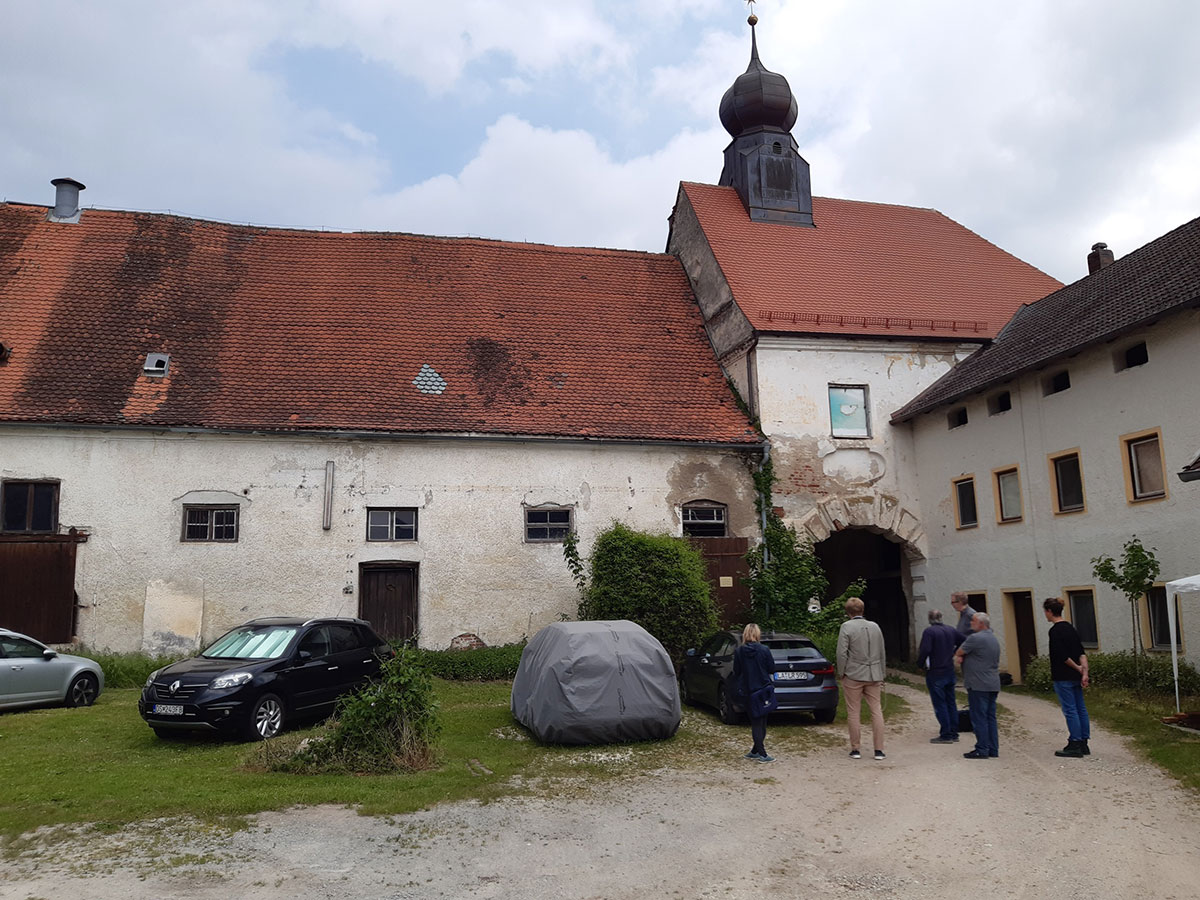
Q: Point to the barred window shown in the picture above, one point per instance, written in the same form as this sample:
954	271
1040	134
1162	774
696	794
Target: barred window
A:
547	524
210	523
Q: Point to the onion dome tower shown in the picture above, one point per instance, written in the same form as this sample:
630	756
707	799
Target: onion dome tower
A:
763	162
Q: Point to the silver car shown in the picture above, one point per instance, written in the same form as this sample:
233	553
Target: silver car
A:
31	674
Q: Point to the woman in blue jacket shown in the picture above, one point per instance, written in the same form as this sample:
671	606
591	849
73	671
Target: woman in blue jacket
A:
753	665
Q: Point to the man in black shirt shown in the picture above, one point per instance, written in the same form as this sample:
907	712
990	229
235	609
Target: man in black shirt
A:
1069	671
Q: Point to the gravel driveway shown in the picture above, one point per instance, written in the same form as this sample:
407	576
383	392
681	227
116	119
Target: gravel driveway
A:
925	823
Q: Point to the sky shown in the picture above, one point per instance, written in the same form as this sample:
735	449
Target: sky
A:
1043	126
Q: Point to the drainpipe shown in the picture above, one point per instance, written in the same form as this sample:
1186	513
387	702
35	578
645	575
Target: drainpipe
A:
766	458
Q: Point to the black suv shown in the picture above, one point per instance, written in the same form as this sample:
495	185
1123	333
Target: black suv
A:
262	674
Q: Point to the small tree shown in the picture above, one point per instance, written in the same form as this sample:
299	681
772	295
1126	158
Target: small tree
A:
655	580
1133	577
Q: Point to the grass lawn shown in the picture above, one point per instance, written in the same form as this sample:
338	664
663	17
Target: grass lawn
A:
103	765
1139	717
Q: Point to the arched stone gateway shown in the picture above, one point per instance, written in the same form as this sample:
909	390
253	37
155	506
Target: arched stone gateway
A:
876	539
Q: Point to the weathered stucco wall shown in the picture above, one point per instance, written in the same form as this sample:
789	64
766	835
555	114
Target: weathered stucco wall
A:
1047	552
827	482
140	585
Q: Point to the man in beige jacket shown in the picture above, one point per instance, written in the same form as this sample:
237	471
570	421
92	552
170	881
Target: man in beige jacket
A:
860	666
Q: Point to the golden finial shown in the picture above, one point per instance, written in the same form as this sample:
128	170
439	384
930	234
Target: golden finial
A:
753	20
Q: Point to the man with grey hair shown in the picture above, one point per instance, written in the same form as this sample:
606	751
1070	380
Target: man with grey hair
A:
959	601
979	656
936	657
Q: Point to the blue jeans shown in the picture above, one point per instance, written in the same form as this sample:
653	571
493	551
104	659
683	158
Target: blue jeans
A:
945	706
1070	698
983	720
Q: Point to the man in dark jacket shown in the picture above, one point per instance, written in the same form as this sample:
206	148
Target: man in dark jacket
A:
1069	672
753	666
936	655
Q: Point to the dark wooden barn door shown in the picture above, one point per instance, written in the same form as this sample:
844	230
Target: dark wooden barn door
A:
37	585
727	571
387	598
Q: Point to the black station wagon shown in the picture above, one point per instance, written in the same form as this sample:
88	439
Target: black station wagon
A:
263	674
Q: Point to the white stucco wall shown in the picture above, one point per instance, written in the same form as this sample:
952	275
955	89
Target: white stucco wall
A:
869	481
140	585
1047	552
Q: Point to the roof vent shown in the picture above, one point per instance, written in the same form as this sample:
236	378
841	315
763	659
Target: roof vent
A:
1100	258
156	364
66	200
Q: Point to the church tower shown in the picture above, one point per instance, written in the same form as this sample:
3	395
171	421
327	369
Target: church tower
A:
763	162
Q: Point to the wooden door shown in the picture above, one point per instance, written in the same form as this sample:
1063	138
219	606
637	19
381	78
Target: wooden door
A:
1022	610
387	598
727	570
37	585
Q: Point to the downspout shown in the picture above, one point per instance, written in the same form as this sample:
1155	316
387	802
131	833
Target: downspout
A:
762	506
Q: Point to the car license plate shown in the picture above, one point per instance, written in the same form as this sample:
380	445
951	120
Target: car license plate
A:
168	709
792	676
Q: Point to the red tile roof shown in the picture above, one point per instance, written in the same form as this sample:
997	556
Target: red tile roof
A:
866	269
286	330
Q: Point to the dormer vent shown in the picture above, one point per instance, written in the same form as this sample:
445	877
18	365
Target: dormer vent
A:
156	364
66	200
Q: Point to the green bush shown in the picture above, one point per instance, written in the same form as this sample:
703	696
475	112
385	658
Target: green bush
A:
484	664
655	580
1120	670
389	725
126	670
784	583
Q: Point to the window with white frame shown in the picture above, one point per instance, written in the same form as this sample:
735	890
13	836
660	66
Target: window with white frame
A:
848	413
1082	603
1008	495
547	524
1160	625
965	512
1068	482
704	518
392	524
1144	467
217	524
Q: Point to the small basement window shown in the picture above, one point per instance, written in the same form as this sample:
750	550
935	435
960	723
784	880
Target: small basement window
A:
547	524
957	417
704	519
1130	357
1056	383
217	524
999	403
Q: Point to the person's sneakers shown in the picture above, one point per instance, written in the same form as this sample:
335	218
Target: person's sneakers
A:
751	755
879	754
1083	745
975	754
766	757
1073	750
854	754
943	740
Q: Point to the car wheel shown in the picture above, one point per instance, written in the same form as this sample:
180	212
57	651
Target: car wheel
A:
824	716
265	719
83	690
728	714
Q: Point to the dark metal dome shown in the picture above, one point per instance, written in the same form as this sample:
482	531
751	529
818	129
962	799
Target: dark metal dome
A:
758	99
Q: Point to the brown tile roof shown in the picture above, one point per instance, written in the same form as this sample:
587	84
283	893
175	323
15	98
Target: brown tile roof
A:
866	269
285	330
1133	291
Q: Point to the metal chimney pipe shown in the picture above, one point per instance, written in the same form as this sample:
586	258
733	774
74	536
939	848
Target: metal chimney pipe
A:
66	200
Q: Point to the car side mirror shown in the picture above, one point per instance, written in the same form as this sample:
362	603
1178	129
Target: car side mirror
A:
303	655
692	652
49	654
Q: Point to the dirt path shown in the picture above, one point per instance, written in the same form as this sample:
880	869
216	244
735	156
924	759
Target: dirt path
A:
925	823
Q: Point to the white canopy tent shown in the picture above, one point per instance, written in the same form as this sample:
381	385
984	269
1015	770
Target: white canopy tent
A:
1180	587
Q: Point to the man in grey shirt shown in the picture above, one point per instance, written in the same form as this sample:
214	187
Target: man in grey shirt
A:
979	657
861	662
959	601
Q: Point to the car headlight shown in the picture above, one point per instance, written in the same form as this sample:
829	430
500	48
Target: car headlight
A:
151	677
233	679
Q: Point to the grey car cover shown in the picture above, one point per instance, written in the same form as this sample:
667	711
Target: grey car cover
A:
596	683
